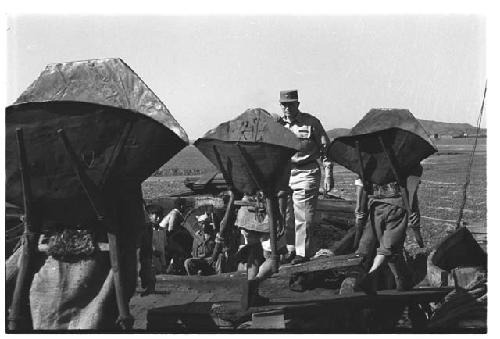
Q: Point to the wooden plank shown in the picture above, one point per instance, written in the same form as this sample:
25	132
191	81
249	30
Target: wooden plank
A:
338	205
322	264
231	311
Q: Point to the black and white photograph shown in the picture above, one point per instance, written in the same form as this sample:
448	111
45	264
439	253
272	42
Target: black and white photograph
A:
215	169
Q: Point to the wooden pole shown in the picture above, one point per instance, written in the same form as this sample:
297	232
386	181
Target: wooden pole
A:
19	315
125	320
272	208
404	193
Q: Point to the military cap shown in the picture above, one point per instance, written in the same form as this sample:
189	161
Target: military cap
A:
289	96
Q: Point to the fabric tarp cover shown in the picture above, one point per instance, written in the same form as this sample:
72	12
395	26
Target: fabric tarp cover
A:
267	145
402	134
96	102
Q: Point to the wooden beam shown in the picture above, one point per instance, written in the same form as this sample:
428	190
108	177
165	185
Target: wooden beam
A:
230	311
343	262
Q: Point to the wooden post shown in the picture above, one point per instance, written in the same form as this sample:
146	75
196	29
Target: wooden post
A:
404	193
19	315
230	204
272	207
125	320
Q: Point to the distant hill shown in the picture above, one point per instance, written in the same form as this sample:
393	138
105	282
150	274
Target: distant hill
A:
449	128
432	127
337	132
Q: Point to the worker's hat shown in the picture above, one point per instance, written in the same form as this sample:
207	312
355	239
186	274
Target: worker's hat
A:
291	95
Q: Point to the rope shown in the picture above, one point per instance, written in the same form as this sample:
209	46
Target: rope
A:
471	161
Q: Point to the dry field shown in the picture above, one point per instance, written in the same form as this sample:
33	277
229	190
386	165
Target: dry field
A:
440	193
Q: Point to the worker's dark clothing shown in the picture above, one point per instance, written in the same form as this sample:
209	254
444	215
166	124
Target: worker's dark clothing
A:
145	256
387	217
178	248
202	251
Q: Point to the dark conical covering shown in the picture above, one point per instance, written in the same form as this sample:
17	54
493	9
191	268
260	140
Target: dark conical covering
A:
256	140
402	134
118	128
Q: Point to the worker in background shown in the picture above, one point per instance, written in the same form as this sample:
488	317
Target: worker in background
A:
305	176
155	215
179	241
201	262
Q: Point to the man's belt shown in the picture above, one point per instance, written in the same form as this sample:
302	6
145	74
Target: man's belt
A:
390	190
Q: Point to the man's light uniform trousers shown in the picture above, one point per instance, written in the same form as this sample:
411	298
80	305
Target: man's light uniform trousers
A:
304	183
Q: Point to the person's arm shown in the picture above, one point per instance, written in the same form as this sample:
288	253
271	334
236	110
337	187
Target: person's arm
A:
219	238
323	142
361	209
165	221
412	184
175	221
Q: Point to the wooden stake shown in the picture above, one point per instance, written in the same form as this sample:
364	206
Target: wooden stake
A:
272	207
19	316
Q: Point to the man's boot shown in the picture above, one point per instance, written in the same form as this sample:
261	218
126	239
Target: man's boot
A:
250	296
368	282
401	274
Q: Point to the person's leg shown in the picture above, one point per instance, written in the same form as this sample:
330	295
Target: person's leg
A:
250	296
265	270
148	278
368	241
254	255
360	214
190	266
378	261
377	219
178	264
395	234
305	196
401	273
289	230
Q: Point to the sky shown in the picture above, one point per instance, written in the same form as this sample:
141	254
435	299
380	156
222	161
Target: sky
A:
209	69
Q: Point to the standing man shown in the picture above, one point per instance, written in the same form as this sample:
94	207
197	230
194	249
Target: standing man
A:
305	176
